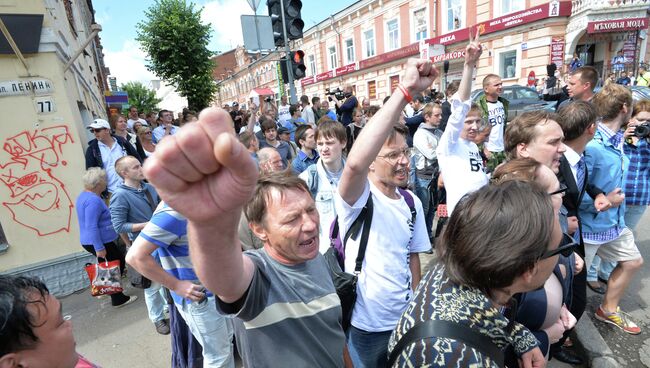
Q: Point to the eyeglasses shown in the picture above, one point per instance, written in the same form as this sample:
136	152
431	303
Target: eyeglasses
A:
561	191
147	132
566	247
96	130
393	157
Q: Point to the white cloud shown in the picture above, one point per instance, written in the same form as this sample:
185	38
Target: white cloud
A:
224	17
128	64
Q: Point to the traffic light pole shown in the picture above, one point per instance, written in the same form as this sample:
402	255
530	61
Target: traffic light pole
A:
292	88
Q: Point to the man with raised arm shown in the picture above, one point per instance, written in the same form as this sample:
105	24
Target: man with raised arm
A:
377	166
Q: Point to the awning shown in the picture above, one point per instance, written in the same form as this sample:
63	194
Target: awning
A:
261	92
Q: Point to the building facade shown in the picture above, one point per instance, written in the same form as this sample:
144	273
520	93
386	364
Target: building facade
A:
366	45
51	87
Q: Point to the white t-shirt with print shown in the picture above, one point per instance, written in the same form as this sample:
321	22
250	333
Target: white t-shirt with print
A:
384	285
460	162
283	114
497	118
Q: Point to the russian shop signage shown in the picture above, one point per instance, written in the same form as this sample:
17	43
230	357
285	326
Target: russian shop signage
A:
617	25
26	87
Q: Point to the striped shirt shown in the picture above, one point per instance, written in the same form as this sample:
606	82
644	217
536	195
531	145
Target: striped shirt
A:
167	229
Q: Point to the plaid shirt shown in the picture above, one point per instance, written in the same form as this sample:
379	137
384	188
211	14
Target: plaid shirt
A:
637	182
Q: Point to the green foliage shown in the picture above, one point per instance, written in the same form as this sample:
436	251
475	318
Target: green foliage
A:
176	42
140	96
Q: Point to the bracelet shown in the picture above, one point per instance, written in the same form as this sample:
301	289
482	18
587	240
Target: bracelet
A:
406	94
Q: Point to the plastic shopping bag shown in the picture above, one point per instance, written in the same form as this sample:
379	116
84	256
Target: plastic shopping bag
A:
104	278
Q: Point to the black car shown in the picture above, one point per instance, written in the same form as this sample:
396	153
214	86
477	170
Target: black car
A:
520	98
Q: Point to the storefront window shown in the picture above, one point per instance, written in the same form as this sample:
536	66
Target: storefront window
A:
508	63
455	14
420	24
349	50
311	61
332	57
369	41
393	34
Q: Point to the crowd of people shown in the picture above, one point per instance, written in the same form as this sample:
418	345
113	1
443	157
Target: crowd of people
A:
231	216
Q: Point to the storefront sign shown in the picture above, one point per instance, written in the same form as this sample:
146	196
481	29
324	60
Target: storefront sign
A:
407	51
540	12
557	51
26	87
629	48
346	69
372	90
617	25
307	81
458	54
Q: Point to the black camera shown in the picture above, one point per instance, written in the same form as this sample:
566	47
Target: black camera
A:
268	99
338	94
642	131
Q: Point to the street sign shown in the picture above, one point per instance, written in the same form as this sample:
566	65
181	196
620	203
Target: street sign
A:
531	79
258	32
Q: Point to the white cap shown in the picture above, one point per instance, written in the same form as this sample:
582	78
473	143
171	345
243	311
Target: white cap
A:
99	124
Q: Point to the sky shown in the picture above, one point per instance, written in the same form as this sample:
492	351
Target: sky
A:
119	19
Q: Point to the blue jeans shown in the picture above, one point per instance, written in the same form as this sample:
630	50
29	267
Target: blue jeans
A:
155	302
422	191
633	215
368	349
212	330
600	268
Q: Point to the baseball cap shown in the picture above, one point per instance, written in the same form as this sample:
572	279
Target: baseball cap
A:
283	130
99	124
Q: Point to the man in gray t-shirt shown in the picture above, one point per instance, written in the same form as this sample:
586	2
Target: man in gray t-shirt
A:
288	313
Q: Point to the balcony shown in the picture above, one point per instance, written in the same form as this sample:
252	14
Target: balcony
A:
579	6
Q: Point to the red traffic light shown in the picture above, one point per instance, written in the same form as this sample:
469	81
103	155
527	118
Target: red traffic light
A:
298	56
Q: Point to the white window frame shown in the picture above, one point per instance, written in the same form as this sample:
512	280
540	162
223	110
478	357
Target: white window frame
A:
497	62
414	37
463	14
387	45
311	64
498	5
349	51
366	54
332	58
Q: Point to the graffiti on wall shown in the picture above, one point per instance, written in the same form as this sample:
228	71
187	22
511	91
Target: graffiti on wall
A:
38	200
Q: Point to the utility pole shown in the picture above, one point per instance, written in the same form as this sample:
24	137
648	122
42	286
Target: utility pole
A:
292	88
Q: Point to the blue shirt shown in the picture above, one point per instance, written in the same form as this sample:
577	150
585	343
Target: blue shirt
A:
159	132
637	181
109	156
302	161
167	229
292	125
95	226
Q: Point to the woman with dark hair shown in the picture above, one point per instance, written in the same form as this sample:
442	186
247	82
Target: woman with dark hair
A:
500	240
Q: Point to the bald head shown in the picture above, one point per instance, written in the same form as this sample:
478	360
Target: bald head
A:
270	160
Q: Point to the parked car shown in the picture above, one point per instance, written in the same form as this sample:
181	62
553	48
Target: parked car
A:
520	98
638	92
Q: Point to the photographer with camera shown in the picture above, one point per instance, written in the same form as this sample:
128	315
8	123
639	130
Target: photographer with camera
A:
637	149
346	106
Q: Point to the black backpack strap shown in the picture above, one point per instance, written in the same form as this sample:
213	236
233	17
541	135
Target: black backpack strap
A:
363	243
450	330
152	203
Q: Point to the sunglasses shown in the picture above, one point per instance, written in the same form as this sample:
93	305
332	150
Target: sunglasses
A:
567	246
92	130
562	190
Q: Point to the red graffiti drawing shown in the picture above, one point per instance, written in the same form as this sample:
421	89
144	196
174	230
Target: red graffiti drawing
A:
35	191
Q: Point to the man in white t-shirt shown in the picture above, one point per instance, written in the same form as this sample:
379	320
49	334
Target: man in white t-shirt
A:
307	113
323	177
494	109
461	164
377	166
133	117
283	111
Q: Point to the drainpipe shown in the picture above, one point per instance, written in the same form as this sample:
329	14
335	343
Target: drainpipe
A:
95	28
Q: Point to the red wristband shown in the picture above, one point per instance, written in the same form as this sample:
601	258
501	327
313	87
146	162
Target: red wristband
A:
406	94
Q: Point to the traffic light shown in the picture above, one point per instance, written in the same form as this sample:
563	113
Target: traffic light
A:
292	20
298	64
275	12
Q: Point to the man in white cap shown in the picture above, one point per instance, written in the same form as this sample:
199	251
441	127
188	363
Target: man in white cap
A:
105	149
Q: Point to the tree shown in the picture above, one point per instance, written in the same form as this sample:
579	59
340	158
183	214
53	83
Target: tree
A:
140	96
176	42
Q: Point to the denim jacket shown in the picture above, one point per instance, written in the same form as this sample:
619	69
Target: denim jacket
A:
607	167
